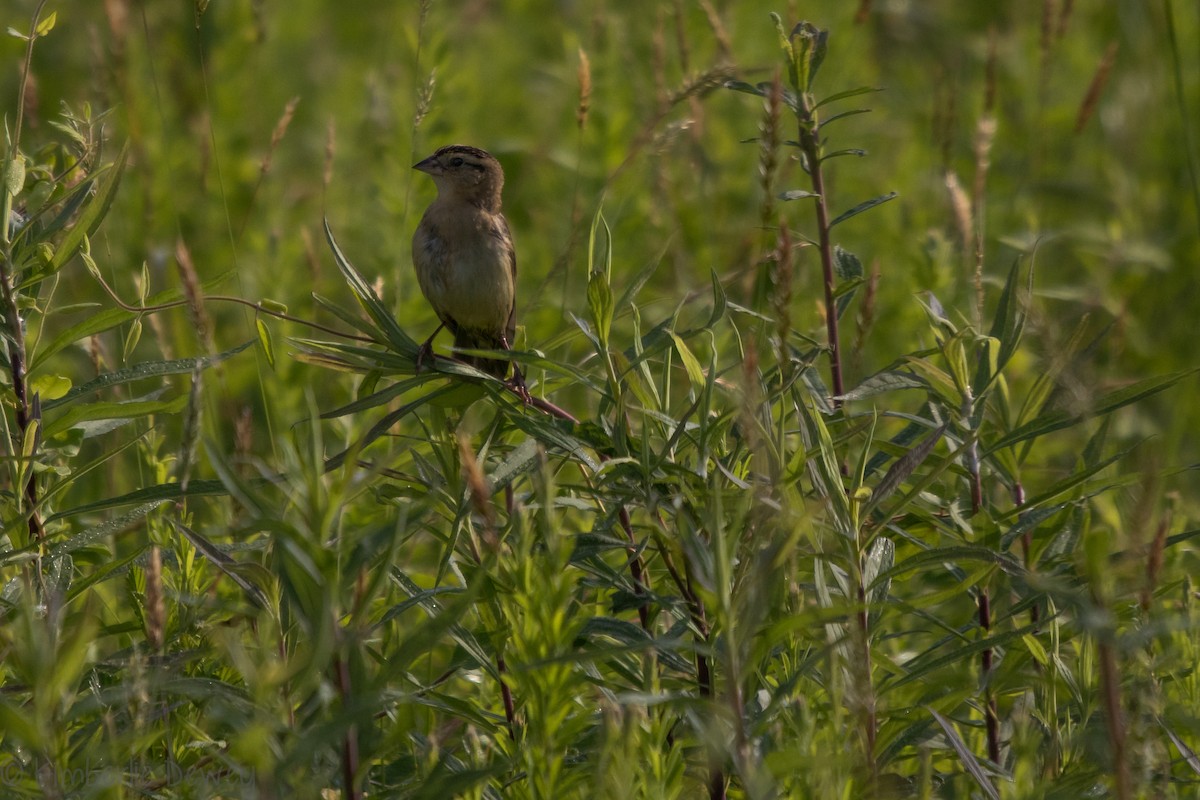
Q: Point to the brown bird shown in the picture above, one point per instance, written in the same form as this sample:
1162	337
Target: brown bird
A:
464	257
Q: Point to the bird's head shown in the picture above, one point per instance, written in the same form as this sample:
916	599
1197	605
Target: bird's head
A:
466	173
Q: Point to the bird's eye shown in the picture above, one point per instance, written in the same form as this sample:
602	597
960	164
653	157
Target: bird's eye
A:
456	161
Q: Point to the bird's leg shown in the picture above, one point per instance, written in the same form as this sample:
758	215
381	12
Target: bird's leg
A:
426	349
517	382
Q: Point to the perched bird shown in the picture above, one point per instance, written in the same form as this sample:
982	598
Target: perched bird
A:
464	257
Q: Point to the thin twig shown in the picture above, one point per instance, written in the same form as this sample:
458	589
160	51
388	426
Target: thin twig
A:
222	298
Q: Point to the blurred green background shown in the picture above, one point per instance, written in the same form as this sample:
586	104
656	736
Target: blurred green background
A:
1072	127
197	93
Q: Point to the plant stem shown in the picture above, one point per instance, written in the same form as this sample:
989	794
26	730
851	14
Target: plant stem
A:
866	682
1110	686
991	718
14	325
810	143
506	697
350	741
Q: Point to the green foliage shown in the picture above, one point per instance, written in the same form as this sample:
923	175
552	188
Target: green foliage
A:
738	544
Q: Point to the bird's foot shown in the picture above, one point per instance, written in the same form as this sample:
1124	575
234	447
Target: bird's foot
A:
425	349
517	384
424	353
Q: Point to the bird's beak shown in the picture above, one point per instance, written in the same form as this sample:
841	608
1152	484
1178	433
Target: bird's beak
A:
430	165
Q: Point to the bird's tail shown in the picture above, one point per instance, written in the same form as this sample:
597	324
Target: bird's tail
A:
482	340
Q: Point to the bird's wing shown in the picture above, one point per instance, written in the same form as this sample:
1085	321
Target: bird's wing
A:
501	231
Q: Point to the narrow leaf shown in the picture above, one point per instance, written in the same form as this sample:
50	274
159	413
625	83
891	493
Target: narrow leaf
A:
861	207
796	194
833	98
1059	419
964	754
1027	522
760	89
905	466
162	491
882	383
370	301
264	340
690	363
720	301
223	562
125	410
101	533
1189	755
91	217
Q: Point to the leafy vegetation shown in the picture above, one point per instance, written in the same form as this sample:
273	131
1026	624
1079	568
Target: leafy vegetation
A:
856	466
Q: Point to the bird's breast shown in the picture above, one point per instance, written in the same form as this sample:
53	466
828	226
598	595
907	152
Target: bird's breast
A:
465	269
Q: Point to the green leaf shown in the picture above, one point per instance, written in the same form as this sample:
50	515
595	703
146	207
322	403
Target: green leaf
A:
1058	419
833	98
46	25
521	459
861	207
1036	649
639	280
952	555
789	54
720	300
1027	521
349	317
600	303
93	213
1007	326
375	308
808	46
761	89
842	115
557	434
694	371
20	724
227	565
264	340
50	387
464	638
357	358
1189	755
378	398
936	379
1047	384
796	194
857	152
974	768
1068	484
142	371
130	409
825	470
131	339
903	467
162	491
103	321
110	569
882	383
384	425
100	534
14	176
599	290
849	270
880	558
